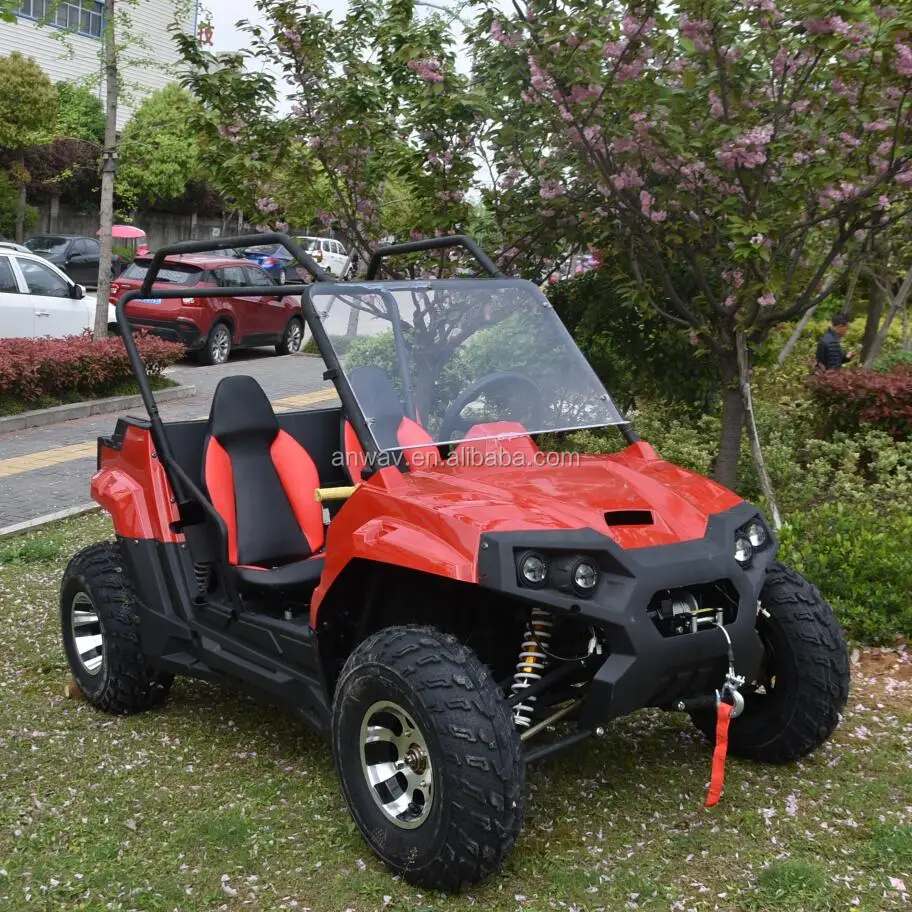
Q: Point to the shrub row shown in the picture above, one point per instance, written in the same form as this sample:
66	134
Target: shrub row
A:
849	399
33	369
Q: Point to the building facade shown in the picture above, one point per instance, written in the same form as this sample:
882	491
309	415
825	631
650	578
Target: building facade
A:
66	38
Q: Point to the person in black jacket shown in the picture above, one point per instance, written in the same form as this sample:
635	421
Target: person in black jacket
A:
829	349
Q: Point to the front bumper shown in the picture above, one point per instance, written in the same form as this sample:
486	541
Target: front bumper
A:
183	331
643	667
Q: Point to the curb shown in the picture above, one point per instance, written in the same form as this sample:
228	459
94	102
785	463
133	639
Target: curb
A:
60	413
48	518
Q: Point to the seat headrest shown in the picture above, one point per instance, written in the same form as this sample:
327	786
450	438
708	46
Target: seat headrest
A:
240	409
376	394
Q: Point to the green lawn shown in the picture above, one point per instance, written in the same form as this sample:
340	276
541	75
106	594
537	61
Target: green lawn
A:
215	802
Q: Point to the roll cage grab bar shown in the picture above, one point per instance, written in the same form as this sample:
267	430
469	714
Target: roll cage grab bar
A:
189	497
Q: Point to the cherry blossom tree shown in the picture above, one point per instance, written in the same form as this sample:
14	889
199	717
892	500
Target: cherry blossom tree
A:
380	120
754	147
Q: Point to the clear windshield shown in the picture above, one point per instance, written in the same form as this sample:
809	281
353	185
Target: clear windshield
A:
483	359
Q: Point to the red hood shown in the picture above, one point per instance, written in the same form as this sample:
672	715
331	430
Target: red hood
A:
574	496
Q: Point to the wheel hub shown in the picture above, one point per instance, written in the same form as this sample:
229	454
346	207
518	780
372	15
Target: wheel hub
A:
396	764
88	638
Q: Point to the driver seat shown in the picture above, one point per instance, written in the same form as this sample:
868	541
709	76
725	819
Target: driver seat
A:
261	481
392	428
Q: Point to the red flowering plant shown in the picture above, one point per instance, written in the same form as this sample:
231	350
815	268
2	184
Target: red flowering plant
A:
737	158
33	369
849	399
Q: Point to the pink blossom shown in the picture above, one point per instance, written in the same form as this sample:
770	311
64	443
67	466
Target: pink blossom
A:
853	55
885	149
735	276
549	189
730	303
281	226
747	150
875	126
850	140
614	49
267	204
501	37
293	38
428	69
632	27
780	62
904	177
883	202
817	26
903	59
658	216
715	105
646	201
767	300
628	71
627	179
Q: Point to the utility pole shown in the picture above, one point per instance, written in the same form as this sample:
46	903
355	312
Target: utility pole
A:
108	169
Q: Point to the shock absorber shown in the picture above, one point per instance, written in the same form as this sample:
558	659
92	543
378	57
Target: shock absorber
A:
531	664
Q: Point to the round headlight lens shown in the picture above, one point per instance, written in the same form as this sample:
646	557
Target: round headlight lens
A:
744	551
584	576
756	534
533	569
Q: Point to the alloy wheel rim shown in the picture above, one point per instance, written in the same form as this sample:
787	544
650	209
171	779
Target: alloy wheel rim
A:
88	637
294	336
220	341
397	765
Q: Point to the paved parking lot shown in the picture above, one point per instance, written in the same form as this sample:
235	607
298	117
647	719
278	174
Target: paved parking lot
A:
48	469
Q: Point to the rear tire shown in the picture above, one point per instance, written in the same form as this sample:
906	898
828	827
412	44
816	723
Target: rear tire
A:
449	813
217	349
291	338
100	628
806	675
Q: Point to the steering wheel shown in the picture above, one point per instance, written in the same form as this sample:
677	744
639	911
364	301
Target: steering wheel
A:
454	424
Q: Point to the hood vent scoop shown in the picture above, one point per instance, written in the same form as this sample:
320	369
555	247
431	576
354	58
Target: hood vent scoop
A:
629	518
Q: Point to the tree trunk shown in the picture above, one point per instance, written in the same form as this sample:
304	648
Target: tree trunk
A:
875	309
194	224
21	201
744	380
108	169
795	336
850	292
54	214
20	215
726	472
898	301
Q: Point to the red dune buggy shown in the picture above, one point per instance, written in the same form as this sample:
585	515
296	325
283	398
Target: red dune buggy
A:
415	575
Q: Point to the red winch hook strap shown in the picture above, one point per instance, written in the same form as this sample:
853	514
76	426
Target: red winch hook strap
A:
719	753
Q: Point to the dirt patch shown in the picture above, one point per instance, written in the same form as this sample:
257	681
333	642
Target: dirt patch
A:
887	672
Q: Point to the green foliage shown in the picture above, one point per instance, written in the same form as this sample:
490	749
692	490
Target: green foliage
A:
159	151
28	101
636	352
80	114
859	557
9	197
886	363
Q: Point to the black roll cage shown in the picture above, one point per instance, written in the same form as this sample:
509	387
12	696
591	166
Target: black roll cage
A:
190	500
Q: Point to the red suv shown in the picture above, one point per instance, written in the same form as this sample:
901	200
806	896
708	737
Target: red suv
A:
213	326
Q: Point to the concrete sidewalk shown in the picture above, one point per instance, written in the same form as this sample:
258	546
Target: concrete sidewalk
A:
45	470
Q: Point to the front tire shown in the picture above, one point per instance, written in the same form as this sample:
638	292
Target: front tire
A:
101	634
291	338
429	758
805	685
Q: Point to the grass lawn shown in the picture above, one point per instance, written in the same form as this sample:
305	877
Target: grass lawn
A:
16	406
215	802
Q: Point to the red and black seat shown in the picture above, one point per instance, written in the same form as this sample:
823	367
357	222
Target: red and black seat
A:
392	428
261	481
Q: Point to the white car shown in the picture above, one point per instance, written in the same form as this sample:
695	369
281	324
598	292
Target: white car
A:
329	253
37	299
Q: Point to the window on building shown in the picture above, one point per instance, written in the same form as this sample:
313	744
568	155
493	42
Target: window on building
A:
85	17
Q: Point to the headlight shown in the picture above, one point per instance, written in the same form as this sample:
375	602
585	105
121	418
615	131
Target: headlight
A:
744	551
533	569
756	534
584	577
